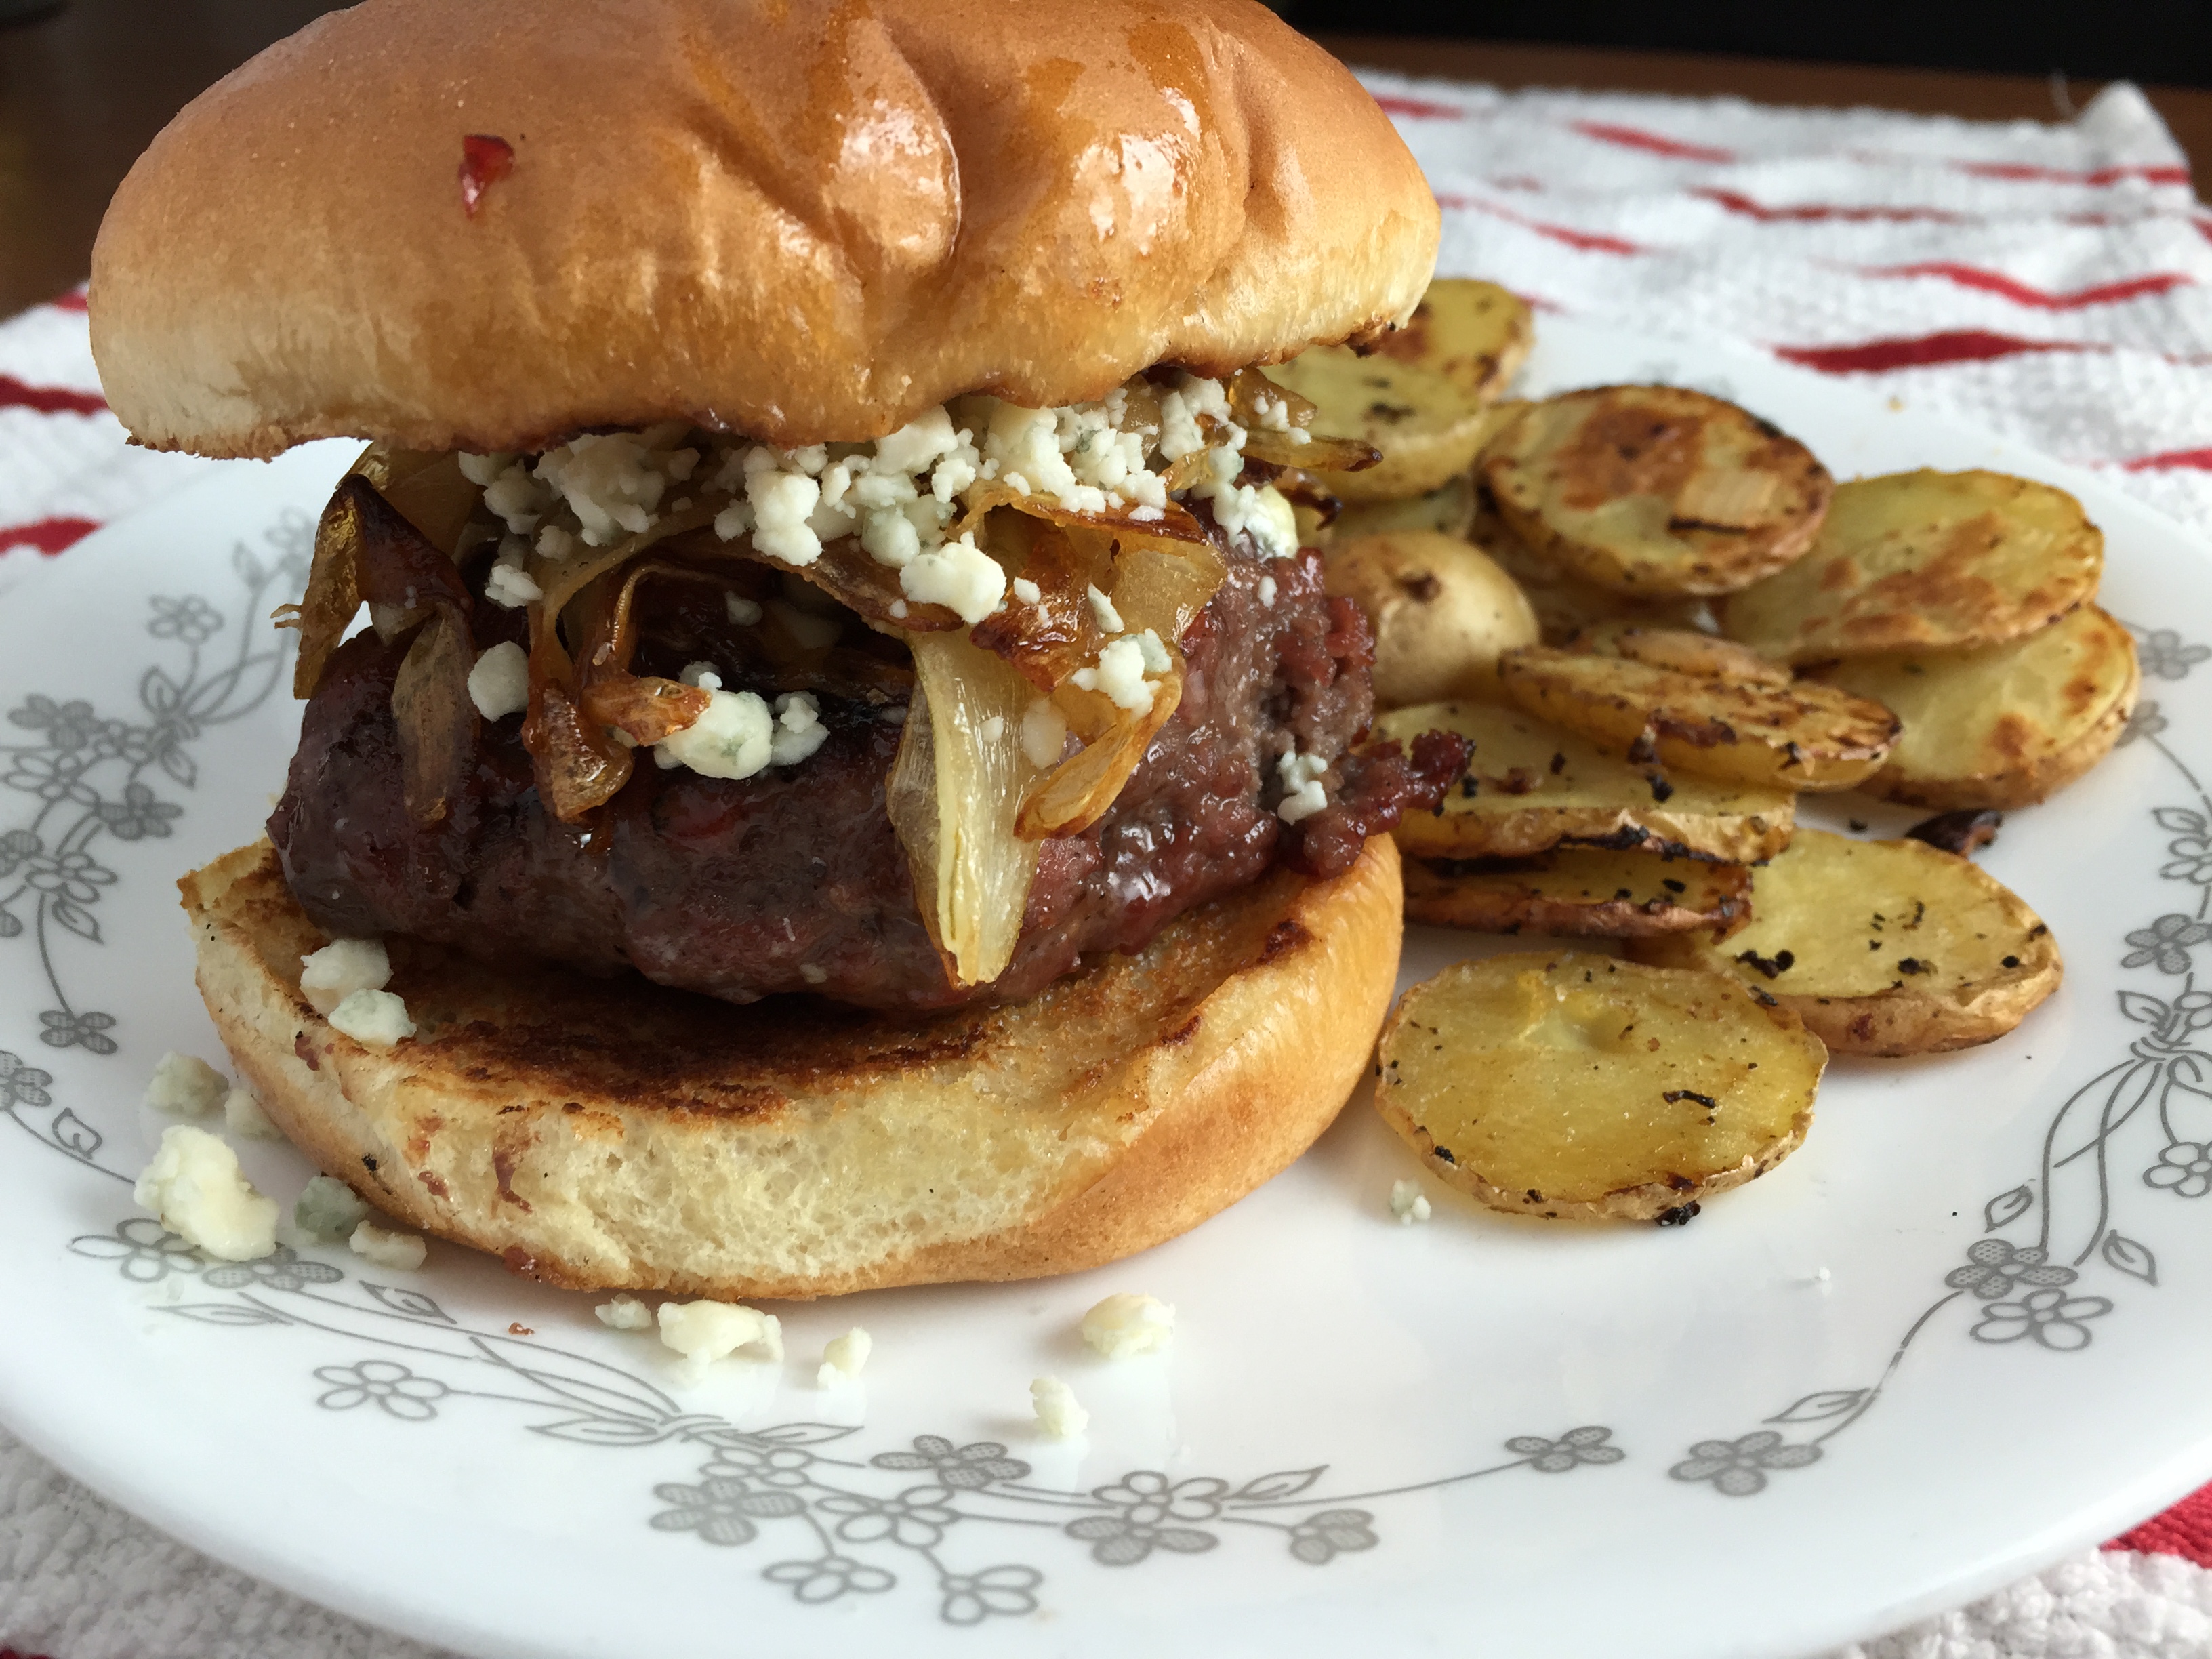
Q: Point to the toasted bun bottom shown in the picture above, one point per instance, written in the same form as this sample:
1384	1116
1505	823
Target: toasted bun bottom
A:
603	1134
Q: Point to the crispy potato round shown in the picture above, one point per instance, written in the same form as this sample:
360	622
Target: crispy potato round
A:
1591	891
2006	725
1475	334
1448	511
1684	650
1657	490
1565	604
1441	611
1788	737
1582	1087
1428	427
1882	947
1529	786
1919	561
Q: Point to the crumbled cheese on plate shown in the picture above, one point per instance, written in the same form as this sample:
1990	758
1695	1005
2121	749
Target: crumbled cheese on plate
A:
703	1332
1126	1323
625	1313
1058	1417
186	1086
195	1186
392	1251
844	1356
242	1115
328	1209
1407	1203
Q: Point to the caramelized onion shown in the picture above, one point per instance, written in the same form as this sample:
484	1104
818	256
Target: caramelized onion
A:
1247	386
435	718
645	707
578	767
1079	790
333	595
953	795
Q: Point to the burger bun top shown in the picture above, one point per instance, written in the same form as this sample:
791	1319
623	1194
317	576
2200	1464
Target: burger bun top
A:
800	221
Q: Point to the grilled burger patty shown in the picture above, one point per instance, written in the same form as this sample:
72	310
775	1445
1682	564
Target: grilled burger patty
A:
794	879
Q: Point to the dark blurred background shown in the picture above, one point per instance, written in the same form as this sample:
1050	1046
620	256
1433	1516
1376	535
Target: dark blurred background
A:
2162	40
85	84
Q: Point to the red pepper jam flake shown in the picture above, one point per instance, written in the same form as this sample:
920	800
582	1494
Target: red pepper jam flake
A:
485	161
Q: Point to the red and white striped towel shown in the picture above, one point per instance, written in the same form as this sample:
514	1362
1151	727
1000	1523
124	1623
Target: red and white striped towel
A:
2053	281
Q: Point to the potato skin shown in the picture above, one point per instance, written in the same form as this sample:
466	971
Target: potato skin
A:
1576	890
1441	610
1529	786
1809	737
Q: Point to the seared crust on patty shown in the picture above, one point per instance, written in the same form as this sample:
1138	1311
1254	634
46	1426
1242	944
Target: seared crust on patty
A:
611	1133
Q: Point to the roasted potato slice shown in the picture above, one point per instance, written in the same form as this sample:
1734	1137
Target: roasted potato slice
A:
2006	725
1529	786
1920	560
1475	334
1441	608
1582	1087
1789	737
1448	511
1653	489
1565	604
1428	427
1883	947
1590	890
1684	650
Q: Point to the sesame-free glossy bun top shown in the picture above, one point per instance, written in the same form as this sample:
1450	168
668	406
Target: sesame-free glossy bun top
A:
800	221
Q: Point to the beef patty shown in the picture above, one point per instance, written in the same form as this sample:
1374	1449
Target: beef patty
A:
792	880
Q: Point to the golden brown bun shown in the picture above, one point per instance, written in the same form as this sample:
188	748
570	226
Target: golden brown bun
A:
611	1133
801	221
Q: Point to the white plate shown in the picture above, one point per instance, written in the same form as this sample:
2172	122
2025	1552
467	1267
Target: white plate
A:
1794	1422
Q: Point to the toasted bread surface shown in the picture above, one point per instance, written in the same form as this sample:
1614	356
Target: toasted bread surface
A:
605	1133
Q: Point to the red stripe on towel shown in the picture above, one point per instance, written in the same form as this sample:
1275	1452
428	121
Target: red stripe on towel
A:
1811	212
48	536
2019	170
2199	460
2185	1530
1922	351
48	399
1418	109
1652	144
1993	282
1589	241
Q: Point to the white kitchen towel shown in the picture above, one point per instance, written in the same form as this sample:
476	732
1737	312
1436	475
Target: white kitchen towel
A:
2051	281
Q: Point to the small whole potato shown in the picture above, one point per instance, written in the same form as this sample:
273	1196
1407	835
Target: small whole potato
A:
1442	610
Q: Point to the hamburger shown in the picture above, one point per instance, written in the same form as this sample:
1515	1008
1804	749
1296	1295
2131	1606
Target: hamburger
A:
850	767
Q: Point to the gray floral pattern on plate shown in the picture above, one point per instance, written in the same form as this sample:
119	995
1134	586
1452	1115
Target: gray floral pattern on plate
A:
84	775
2027	1298
858	1524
